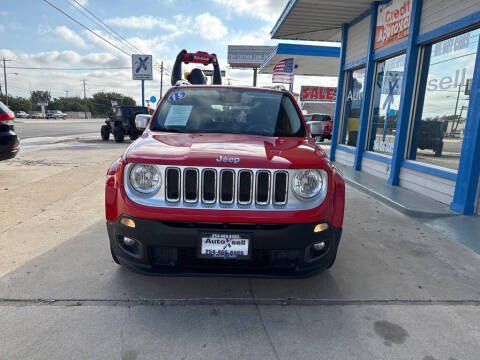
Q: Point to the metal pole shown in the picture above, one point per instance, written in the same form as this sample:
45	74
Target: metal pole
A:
254	77
85	98
143	92
161	81
5	77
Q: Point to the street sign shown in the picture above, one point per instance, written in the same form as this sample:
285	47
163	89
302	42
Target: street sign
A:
153	99
142	67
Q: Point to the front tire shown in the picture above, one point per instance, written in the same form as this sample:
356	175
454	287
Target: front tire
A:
105	132
133	137
118	134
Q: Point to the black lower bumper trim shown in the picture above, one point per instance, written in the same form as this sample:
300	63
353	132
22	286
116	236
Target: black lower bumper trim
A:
171	248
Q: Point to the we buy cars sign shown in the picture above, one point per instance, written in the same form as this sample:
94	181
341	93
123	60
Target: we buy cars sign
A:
318	93
393	22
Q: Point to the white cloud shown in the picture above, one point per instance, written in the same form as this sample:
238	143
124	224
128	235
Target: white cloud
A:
141	22
71	36
259	37
267	10
210	27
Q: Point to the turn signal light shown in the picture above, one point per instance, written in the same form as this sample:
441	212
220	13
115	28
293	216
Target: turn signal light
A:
128	222
320	227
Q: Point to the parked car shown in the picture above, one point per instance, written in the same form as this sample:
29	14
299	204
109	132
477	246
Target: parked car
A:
320	125
55	114
36	116
21	115
122	122
224	180
431	136
9	143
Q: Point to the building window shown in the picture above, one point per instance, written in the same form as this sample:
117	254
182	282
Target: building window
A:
353	104
386	102
443	99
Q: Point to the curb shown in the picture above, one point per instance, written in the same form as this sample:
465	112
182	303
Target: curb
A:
393	204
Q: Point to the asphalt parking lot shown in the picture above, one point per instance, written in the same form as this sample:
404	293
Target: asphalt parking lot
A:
399	290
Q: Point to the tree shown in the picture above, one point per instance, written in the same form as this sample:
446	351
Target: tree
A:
40	96
101	102
17	103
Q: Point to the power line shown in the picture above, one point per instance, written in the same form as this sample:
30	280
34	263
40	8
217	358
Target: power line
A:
90	30
86	28
105	26
62	68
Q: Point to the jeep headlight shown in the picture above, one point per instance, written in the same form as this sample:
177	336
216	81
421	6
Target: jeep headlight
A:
307	183
145	178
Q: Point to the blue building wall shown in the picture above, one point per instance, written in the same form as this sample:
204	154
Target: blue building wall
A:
467	177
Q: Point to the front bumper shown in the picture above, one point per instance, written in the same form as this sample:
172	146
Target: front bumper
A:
171	248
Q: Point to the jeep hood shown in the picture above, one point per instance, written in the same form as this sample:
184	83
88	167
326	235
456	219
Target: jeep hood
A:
205	150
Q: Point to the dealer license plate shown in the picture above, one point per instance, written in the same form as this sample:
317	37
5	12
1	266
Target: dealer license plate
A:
225	246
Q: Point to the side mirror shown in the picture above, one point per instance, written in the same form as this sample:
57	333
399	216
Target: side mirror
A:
316	127
141	121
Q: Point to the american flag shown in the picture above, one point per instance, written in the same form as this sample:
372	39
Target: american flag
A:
283	71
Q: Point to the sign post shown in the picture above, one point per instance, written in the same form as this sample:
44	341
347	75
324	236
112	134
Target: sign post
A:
142	70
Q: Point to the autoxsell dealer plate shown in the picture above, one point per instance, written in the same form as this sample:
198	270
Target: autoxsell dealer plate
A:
225	246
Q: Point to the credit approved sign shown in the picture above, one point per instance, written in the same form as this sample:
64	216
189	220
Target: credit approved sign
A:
393	22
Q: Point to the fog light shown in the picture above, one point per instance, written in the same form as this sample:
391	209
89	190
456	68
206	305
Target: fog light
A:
320	227
129	242
128	222
319	246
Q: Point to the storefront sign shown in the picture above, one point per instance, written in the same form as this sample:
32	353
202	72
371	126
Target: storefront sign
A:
248	56
393	22
318	93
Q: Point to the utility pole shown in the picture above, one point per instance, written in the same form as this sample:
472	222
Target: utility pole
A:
66	93
5	77
85	97
161	81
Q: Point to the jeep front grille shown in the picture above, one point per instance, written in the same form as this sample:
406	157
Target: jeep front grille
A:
226	186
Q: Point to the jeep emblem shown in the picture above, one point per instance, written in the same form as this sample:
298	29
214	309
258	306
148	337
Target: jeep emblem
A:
224	159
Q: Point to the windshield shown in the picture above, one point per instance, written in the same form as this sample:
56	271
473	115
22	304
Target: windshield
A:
228	110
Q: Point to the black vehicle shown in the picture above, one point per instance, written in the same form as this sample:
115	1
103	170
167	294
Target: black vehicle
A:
122	122
431	136
8	139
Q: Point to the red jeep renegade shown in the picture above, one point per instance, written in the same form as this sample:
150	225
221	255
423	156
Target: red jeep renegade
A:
226	181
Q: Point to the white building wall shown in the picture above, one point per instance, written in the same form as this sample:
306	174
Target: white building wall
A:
437	188
436	13
344	158
376	168
357	40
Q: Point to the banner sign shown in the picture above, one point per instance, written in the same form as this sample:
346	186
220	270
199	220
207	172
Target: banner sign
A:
318	93
393	22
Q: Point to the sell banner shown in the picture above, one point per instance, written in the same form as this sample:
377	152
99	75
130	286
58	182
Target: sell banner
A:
318	93
393	22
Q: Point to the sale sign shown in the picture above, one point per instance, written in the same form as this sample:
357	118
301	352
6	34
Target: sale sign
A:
318	93
393	22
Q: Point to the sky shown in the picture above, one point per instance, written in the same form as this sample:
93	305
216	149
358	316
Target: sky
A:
34	34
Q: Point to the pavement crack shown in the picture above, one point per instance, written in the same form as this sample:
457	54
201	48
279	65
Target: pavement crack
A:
232	301
260	315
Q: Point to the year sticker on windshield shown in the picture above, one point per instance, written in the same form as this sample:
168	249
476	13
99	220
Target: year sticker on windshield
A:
177	96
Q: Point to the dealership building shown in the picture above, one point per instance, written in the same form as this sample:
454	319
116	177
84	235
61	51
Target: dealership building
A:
408	98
